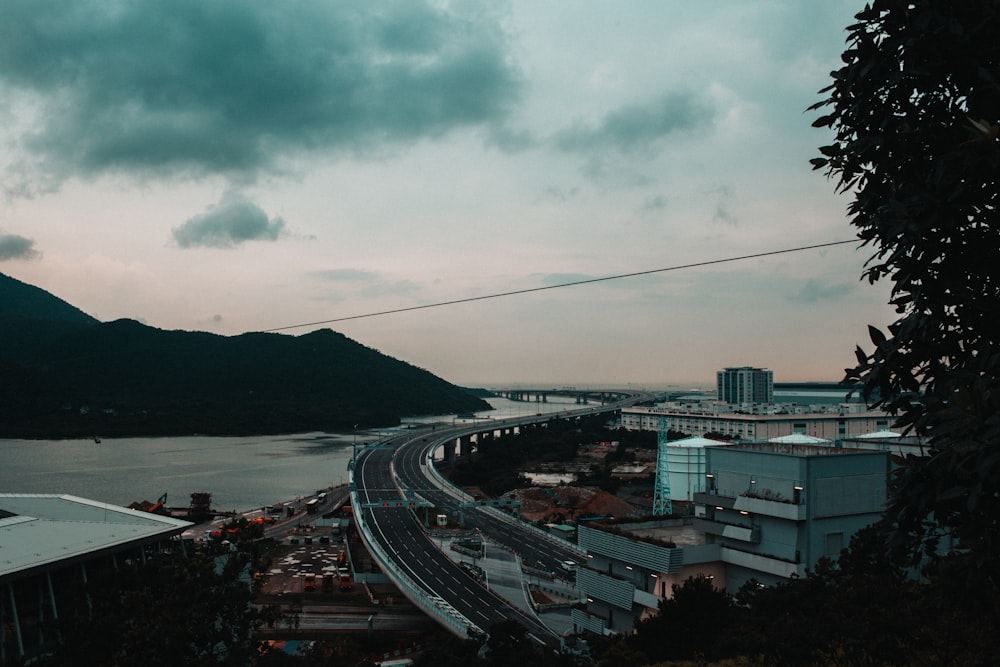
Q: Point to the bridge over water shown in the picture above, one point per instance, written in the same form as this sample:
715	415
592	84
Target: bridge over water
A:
580	396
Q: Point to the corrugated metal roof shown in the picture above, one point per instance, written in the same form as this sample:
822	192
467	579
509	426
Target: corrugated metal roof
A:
42	529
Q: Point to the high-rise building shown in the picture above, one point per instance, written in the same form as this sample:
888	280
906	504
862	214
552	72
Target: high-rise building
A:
745	385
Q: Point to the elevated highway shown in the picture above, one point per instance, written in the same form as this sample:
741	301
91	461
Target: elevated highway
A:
400	545
397	475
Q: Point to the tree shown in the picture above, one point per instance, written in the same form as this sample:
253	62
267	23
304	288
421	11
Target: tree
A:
692	622
860	611
915	110
174	609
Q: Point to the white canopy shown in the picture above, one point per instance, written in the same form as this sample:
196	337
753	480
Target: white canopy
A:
694	441
798	439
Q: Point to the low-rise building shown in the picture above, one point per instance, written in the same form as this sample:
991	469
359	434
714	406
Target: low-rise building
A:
628	570
768	512
775	509
49	546
701	419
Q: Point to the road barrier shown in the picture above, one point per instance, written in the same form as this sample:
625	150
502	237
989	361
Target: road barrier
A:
435	606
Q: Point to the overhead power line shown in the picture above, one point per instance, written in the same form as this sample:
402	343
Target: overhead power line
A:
561	285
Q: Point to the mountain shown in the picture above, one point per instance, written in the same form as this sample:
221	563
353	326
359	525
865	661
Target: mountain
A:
66	374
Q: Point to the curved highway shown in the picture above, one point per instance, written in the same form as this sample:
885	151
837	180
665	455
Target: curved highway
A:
403	540
411	468
390	476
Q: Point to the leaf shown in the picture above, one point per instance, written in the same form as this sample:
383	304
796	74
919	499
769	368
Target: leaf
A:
877	336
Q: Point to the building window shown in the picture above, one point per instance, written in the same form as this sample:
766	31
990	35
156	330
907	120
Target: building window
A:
834	544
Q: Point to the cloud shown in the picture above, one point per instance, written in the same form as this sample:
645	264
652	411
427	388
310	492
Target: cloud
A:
230	87
406	288
345	275
13	246
638	128
723	207
363	283
655	203
814	291
231	222
556	279
553	193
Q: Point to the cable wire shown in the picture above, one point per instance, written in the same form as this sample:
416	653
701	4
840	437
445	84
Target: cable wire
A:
560	285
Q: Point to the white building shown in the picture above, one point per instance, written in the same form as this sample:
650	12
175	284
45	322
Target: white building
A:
686	463
835	424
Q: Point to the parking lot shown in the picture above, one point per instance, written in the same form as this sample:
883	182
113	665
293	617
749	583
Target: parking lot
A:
292	562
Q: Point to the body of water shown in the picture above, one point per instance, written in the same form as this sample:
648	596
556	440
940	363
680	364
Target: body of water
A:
241	473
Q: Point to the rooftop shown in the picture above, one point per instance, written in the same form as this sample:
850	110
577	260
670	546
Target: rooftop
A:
794	449
682	536
39	530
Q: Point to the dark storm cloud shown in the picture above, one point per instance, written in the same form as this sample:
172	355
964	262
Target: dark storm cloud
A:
637	128
231	222
13	246
191	87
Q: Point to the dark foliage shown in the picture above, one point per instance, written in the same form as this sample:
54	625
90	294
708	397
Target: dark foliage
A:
506	645
916	111
642	439
496	465
70	376
20	300
172	610
861	611
352	650
693	622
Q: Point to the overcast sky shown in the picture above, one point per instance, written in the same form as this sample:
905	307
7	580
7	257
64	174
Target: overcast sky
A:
244	166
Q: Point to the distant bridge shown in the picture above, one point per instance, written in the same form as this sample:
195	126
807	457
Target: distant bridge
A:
581	396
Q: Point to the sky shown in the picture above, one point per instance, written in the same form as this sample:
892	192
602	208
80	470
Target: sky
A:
240	166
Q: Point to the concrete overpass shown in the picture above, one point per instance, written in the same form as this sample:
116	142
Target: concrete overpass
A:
396	475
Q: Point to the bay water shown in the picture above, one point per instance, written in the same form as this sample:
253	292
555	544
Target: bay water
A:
241	473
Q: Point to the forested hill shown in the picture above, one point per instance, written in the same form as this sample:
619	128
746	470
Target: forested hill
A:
65	374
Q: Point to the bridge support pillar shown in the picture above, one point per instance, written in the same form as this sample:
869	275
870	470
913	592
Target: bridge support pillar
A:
465	445
449	453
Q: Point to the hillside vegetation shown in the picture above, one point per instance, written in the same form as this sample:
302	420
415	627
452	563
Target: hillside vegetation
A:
68	375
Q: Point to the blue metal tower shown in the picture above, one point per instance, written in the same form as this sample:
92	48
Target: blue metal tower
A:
661	490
